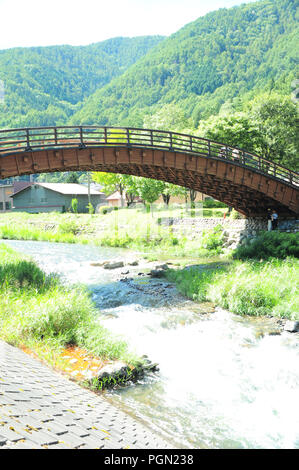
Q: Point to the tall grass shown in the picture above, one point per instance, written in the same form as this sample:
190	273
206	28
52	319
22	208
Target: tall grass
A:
245	287
36	309
128	228
268	245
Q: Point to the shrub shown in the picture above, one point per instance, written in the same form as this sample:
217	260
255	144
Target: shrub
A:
235	214
68	226
74	205
105	209
90	208
213	240
211	203
270	244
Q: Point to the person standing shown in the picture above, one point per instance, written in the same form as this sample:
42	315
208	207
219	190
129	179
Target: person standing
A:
274	219
269	218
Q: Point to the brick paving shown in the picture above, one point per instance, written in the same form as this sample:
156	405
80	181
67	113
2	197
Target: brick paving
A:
40	408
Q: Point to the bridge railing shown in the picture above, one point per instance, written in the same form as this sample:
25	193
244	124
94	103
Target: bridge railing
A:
31	139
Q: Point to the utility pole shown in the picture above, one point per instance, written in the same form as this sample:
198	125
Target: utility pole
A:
88	176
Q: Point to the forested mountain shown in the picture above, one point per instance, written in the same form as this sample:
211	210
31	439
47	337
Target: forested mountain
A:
224	56
46	85
226	76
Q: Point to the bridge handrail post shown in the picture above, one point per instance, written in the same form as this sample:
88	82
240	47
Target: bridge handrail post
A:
152	138
55	135
28	147
191	147
226	152
209	148
105	135
128	137
170	140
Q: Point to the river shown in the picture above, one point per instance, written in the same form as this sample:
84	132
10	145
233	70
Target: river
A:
221	384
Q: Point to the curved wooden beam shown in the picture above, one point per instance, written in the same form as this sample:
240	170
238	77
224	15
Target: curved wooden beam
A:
244	181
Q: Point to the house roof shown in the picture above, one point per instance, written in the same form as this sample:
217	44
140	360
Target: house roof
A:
73	189
114	196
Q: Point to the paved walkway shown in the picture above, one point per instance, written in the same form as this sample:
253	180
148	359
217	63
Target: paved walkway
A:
40	408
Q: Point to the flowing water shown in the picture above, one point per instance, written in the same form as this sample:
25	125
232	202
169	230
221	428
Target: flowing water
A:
221	383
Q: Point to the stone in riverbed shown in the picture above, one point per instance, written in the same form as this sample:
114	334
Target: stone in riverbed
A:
114	265
134	263
292	326
157	272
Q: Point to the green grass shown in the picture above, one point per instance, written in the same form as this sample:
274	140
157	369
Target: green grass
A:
268	245
136	229
36	310
245	287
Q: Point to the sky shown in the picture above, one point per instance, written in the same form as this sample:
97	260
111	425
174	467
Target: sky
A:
26	23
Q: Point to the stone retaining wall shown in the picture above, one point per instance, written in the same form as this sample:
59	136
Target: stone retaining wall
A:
235	230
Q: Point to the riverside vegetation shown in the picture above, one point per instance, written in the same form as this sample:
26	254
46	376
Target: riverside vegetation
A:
39	313
260	277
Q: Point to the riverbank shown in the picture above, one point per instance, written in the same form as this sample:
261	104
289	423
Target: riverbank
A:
255	288
244	374
135	229
246	282
59	324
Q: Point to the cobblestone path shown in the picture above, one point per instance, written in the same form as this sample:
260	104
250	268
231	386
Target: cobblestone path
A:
40	408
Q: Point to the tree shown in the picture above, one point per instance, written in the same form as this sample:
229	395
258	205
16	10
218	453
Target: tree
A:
169	189
235	130
149	189
169	118
276	119
72	177
74	205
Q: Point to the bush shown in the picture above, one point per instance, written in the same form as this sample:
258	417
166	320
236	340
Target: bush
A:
74	205
235	214
270	244
105	209
68	226
211	203
213	240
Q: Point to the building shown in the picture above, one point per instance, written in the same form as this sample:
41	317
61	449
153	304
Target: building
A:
6	190
49	197
115	199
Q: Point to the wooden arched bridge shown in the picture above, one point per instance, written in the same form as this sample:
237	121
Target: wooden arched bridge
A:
239	178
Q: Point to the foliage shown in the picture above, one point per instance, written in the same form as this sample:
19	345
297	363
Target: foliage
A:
44	86
207	66
245	288
43	311
90	208
72	177
276	118
212	240
74	205
270	244
212	203
68	226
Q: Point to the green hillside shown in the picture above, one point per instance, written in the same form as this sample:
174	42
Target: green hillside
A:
225	55
46	85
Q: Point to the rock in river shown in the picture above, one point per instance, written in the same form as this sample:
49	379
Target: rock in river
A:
114	265
292	326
